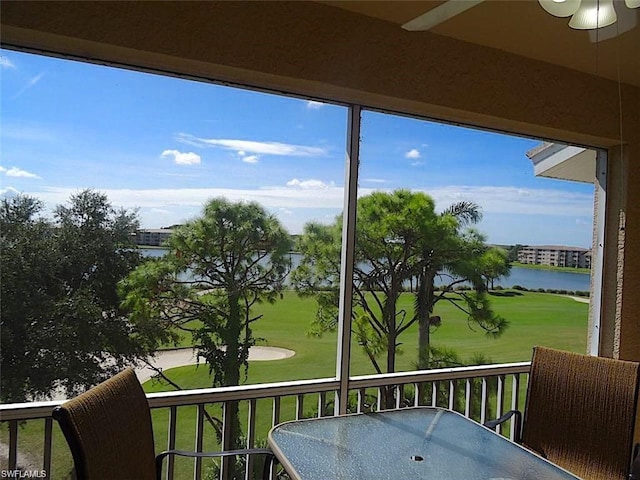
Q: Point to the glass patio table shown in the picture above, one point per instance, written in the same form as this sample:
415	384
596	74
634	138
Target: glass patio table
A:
412	443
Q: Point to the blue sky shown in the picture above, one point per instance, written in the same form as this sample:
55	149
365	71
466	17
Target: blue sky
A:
165	145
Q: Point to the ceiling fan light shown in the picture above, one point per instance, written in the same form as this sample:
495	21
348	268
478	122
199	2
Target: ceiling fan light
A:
627	20
593	14
563	8
632	3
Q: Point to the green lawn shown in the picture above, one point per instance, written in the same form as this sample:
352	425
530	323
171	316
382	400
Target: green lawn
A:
535	319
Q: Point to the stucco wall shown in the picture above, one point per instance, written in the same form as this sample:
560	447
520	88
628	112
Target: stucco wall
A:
628	346
318	50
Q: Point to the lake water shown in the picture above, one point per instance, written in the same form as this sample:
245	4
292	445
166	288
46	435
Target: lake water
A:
530	278
525	277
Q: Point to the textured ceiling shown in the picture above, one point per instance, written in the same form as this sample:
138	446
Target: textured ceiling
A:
523	28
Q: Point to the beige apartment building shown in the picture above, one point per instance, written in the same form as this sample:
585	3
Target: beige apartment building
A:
554	255
153	236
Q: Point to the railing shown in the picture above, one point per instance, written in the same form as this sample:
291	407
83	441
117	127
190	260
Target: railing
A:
478	392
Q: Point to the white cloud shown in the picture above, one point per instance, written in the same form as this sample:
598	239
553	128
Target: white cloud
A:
17	173
249	146
373	180
514	200
181	175
306	193
5	62
8	192
270	197
307	184
250	159
161	211
29	84
413	153
182	158
310	203
313	105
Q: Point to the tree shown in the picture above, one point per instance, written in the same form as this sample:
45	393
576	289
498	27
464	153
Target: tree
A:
218	266
495	264
60	320
513	252
385	255
399	237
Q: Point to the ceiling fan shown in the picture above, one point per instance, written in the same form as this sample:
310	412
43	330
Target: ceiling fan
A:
589	15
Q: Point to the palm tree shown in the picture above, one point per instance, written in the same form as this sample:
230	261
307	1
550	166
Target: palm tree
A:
454	252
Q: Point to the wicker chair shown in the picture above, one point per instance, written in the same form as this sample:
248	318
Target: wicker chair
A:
580	413
109	432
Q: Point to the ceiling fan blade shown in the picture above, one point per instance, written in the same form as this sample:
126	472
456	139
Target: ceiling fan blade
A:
440	14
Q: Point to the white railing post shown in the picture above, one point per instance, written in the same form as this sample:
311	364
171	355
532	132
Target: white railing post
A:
468	393
452	394
251	438
484	401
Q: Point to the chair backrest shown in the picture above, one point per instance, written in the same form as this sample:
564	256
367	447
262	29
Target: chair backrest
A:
109	432
580	412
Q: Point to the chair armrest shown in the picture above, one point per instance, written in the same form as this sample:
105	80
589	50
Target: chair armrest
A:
492	424
634	473
269	461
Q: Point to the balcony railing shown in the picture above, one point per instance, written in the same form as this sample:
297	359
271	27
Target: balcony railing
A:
477	392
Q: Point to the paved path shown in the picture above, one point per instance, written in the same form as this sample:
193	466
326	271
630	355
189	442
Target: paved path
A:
186	356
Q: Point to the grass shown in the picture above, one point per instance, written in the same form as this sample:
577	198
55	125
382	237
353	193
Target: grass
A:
552	268
535	319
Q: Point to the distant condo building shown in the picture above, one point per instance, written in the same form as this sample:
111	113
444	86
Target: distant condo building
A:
153	236
554	255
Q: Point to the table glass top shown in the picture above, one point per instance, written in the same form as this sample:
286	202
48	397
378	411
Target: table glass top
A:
413	443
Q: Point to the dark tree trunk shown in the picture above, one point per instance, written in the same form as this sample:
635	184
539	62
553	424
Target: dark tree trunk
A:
232	365
424	308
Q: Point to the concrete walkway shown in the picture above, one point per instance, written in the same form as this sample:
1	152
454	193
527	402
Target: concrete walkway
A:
186	356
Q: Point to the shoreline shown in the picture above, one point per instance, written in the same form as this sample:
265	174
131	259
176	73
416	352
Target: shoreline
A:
551	268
